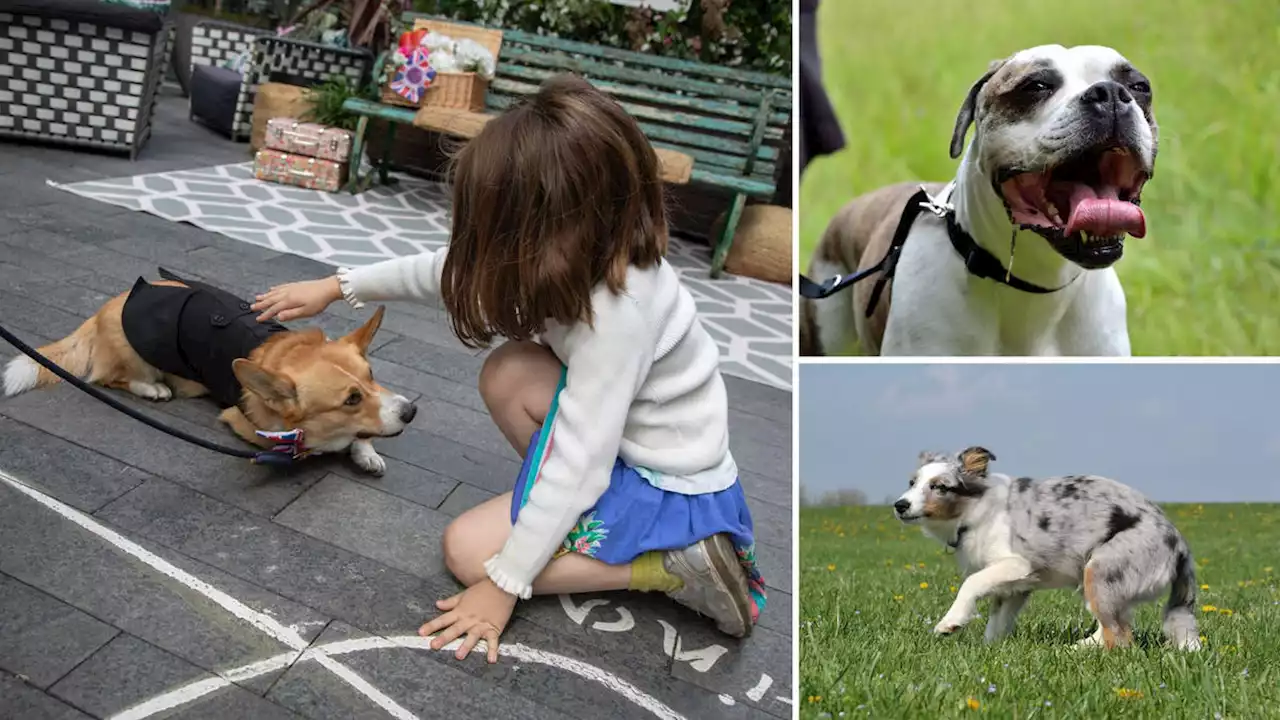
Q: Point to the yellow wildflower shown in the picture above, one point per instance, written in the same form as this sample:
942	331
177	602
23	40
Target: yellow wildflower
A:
831	567
919	565
953	588
1208	608
924	586
815	699
897	598
1126	693
1226	611
1204	587
973	703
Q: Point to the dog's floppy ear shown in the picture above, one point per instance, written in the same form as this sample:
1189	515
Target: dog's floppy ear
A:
928	456
362	337
969	109
264	383
974	460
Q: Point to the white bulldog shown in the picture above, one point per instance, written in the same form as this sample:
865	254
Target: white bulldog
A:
1049	187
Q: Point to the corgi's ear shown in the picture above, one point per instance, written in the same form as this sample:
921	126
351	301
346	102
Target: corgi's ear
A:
264	383
974	461
362	337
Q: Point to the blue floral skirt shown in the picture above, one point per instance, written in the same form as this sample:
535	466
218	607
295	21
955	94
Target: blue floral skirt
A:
634	517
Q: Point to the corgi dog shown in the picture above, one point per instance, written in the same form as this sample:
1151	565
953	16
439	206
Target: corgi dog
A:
182	338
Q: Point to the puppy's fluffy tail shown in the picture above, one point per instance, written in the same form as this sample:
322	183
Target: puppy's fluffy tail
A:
1179	613
73	353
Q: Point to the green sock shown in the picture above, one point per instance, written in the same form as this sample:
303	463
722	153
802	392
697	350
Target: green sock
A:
649	575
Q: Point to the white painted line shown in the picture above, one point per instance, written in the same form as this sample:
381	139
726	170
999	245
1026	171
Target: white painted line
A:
762	687
261	621
322	653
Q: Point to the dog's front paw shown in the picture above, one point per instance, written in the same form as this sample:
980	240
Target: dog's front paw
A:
159	392
949	625
367	459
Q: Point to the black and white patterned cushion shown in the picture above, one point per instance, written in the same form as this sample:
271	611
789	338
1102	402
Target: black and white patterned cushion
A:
80	81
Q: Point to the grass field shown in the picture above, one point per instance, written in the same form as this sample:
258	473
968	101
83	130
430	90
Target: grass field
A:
1206	279
872	589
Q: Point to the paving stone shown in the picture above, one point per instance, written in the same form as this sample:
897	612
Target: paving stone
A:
80	477
767	460
391	530
426	385
761	430
403	480
19	700
465	426
463	498
104	582
334	581
425	686
453	459
775	566
751	397
128	672
772	525
23	316
759	488
764	653
67	413
41	638
455	365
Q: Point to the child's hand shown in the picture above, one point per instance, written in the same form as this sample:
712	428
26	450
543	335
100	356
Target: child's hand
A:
297	300
482	611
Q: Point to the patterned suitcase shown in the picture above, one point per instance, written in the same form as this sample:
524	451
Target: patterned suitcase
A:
310	139
306	172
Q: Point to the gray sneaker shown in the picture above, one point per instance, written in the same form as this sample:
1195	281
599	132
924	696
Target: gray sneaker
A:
715	584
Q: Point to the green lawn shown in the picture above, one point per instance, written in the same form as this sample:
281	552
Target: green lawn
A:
871	591
1206	279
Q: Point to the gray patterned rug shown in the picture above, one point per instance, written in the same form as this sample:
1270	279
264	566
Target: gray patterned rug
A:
750	320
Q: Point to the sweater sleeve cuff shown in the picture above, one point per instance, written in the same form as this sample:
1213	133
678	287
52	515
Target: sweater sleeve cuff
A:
344	282
504	579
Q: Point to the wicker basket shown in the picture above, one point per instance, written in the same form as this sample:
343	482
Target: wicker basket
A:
761	245
464	91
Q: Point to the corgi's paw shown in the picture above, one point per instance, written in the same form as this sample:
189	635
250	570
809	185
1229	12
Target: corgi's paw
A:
366	458
158	392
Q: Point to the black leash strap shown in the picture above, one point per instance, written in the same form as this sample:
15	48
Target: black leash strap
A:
977	259
265	457
888	264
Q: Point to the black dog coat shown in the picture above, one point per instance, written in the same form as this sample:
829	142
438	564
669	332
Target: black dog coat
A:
194	332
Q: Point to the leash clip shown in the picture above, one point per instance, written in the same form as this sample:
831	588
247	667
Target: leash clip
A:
933	205
289	447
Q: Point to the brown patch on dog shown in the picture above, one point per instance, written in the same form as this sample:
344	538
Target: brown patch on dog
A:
941	508
974	461
1114	634
857	238
300	380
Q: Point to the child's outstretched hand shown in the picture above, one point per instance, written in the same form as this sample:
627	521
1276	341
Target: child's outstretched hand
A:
481	612
297	300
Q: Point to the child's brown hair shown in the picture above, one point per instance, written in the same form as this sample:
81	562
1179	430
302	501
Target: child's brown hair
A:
555	196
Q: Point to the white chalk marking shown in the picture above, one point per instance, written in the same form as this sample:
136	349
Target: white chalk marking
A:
762	687
321	653
625	622
727	699
261	621
700	660
786	700
579	614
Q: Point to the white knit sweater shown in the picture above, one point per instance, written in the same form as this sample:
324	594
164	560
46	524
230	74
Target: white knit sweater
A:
644	384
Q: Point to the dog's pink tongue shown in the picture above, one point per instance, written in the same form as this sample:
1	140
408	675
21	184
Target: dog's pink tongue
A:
1104	214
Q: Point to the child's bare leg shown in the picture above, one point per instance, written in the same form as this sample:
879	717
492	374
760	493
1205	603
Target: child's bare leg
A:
479	533
518	383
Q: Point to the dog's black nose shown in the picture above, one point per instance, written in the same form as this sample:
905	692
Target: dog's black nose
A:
1105	95
408	413
902	506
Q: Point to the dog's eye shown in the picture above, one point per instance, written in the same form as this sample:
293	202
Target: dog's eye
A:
942	489
354	399
1141	87
1035	87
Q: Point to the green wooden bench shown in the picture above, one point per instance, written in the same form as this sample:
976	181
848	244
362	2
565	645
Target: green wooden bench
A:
731	122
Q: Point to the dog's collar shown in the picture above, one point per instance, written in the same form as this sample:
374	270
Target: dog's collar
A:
978	260
960	532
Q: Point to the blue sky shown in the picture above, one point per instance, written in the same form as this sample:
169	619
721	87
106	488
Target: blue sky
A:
1179	433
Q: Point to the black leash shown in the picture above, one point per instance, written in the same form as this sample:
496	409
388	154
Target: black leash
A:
977	259
283	454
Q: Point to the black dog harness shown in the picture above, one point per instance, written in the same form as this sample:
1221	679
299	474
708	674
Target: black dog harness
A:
194	332
977	259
